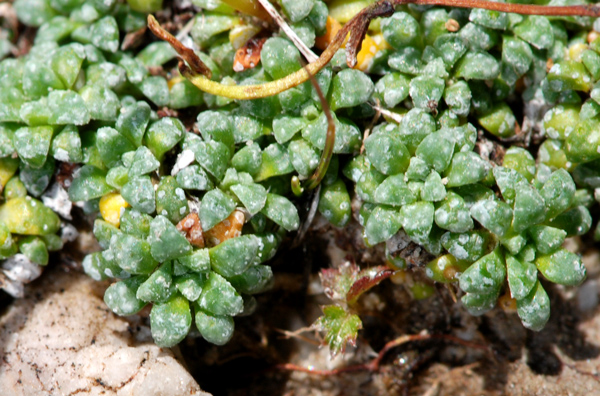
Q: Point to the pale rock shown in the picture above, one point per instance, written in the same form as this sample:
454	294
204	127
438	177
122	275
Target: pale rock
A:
63	340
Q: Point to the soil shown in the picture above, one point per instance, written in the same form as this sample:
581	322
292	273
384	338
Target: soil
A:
456	354
501	357
459	354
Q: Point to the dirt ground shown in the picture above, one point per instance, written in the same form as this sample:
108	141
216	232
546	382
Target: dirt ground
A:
499	358
458	354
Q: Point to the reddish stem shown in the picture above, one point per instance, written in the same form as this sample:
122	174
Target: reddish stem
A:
186	53
592	10
375	364
327	153
324	373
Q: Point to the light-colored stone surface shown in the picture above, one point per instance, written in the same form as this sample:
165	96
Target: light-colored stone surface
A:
571	382
62	340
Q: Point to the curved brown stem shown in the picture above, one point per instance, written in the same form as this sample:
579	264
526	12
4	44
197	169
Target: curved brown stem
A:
356	27
375	364
592	10
321	170
199	74
188	54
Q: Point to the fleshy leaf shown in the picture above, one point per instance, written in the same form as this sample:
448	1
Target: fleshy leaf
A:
367	279
347	282
534	310
170	321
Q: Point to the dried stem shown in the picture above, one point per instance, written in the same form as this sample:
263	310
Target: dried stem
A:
308	54
375	364
312	211
194	62
592	10
397	118
186	29
368	129
298	335
201	79
325	160
199	74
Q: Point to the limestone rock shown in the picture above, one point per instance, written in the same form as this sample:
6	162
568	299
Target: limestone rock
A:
62	340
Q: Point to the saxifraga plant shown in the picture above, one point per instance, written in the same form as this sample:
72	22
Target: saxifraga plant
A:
190	214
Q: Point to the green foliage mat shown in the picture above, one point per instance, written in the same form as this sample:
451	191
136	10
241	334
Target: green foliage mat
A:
195	192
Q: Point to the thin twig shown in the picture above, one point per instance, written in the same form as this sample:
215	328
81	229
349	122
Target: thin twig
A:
203	82
324	373
397	118
433	389
186	29
450	289
315	179
375	364
194	62
356	27
308	54
592	10
312	211
368	129
298	335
